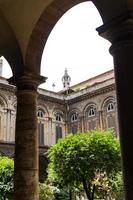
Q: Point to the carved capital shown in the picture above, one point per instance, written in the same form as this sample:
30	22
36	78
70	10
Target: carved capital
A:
27	81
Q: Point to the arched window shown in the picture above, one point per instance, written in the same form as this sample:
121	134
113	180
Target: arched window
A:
91	112
41	115
74	122
110	114
74	117
58	117
91	120
58	120
110	107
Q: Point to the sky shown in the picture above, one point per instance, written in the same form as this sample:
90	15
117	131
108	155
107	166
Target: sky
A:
74	44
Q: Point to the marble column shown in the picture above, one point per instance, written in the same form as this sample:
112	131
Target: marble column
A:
26	139
120	33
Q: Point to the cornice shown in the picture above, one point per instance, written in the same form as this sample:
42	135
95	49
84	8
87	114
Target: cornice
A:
81	97
92	94
51	99
100	88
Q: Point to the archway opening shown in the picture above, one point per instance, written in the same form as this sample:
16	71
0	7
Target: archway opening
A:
5	69
7	104
74	44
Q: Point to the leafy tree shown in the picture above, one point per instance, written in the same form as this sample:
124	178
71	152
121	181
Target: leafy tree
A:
6	178
90	159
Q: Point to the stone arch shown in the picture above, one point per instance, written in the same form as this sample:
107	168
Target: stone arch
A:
90	116
74	110
9	46
43	28
108	10
106	100
49	17
58	111
109	118
73	120
91	104
44	109
58	123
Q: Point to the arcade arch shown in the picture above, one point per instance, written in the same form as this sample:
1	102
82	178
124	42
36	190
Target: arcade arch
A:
22	40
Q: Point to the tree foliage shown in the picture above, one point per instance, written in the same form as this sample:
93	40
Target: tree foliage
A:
88	159
6	177
46	191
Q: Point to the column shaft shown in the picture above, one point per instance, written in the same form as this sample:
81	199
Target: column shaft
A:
26	147
100	119
123	62
120	33
26	137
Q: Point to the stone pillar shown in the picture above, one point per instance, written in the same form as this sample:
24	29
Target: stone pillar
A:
66	127
49	131
82	123
120	34
8	122
26	139
100	119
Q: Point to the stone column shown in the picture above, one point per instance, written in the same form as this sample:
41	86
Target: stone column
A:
120	33
26	139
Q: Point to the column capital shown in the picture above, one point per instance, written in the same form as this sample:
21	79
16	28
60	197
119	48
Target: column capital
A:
27	81
119	29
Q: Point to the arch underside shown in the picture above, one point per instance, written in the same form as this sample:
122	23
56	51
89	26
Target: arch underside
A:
50	16
23	48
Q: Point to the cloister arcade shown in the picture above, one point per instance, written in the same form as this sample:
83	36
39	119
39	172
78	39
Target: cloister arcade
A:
25	27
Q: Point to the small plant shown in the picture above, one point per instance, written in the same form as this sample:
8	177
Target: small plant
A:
6	178
46	191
